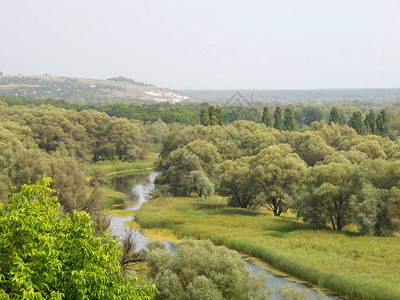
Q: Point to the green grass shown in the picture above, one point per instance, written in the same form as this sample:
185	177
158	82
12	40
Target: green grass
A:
344	262
116	166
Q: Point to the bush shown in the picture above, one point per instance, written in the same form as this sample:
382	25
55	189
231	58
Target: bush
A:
204	271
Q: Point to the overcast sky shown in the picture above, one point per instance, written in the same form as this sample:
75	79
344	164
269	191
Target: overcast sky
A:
207	44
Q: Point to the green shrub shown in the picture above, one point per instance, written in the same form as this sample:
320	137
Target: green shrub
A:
47	254
205	272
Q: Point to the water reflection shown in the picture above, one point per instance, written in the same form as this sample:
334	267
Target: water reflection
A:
137	188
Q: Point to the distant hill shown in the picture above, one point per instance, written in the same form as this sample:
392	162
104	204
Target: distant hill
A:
83	90
295	96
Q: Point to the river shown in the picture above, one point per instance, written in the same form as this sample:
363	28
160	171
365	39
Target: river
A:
137	189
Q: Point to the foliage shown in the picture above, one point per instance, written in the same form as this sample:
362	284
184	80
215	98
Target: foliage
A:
236	182
289	122
278	118
266	117
370	122
335	117
327	193
277	173
202	271
211	116
357	122
382	121
47	254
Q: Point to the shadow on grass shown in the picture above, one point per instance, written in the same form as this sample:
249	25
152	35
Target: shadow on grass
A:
239	211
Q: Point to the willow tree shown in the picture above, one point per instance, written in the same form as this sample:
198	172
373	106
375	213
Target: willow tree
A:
327	193
236	182
277	173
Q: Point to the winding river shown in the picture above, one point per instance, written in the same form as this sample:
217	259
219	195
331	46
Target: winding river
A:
137	189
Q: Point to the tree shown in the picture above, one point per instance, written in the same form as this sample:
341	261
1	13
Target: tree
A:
215	115
47	254
69	178
335	117
370	122
327	193
202	185
125	138
312	113
202	271
382	121
204	117
181	163
266	117
289	122
357	122
377	204
236	182
278	118
371	148
277	173
310	147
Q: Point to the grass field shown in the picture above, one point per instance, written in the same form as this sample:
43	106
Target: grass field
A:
115	166
351	265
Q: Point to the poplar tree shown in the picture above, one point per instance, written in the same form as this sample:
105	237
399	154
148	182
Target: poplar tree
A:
289	123
382	122
204	117
357	123
266	117
278	118
370	122
335	117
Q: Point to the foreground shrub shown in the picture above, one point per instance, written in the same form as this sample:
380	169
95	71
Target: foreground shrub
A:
48	254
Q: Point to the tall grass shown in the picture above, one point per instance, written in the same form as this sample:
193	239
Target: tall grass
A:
351	265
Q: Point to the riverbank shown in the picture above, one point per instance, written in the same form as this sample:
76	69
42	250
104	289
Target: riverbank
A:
351	265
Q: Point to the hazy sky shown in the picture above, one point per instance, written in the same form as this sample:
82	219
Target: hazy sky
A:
207	44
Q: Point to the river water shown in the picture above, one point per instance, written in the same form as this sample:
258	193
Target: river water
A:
137	189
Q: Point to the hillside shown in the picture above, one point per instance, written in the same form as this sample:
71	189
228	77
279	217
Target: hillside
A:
84	90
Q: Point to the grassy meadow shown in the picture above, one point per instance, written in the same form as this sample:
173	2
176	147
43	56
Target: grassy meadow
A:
115	167
354	266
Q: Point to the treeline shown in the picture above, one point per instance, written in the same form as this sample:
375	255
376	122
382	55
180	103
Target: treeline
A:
329	174
148	113
300	115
